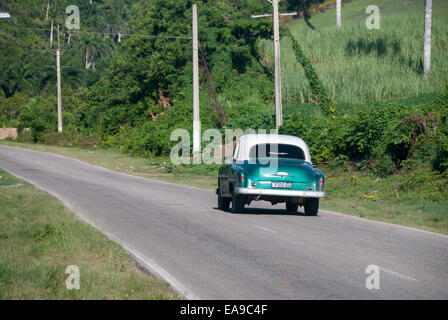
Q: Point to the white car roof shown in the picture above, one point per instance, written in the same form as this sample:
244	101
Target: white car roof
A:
246	142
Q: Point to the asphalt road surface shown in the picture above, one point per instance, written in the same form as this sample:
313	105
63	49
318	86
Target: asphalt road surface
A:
179	234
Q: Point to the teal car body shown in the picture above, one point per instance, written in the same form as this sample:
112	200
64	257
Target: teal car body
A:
272	168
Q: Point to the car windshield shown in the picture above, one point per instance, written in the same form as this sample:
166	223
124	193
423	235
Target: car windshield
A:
281	151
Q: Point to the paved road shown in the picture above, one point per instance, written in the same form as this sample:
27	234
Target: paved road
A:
262	254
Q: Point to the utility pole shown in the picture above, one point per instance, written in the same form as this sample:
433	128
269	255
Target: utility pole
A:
196	118
427	38
338	13
58	54
278	69
278	75
58	70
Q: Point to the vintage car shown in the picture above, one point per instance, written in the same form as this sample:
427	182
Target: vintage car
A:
274	168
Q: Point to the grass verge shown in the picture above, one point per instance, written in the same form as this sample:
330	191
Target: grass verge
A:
349	191
39	239
401	198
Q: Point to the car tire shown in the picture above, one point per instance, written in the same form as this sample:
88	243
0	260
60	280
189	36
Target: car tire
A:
223	203
311	207
291	207
237	203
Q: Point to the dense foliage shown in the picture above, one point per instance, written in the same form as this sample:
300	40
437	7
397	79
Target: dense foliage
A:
382	138
129	82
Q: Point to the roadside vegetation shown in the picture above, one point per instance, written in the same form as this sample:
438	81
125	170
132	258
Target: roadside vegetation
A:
39	239
375	125
418	199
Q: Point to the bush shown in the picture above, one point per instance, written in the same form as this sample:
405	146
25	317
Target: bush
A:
38	115
10	108
426	184
380	138
440	140
148	139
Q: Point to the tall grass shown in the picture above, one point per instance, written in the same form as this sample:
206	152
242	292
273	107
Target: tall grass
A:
358	65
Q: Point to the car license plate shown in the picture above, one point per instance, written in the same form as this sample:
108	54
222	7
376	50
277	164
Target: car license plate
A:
285	185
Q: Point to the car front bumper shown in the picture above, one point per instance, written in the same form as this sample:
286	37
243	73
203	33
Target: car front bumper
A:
281	193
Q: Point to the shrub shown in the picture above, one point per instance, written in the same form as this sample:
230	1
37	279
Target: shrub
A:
440	140
426	184
379	137
38	115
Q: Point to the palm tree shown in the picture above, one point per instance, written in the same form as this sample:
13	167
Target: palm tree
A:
427	40
113	21
4	78
20	78
87	47
48	8
94	48
46	79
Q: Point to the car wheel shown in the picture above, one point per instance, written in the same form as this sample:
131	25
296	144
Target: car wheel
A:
237	203
311	207
223	203
292	207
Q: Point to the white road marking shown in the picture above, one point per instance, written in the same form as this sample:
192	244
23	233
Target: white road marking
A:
388	224
161	272
397	274
264	228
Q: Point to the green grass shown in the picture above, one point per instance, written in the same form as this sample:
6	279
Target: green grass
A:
348	191
360	66
39	238
387	199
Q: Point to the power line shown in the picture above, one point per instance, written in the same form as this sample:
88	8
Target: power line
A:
107	33
131	34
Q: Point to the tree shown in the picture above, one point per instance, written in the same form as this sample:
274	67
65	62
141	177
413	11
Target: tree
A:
17	77
427	40
94	48
114	21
